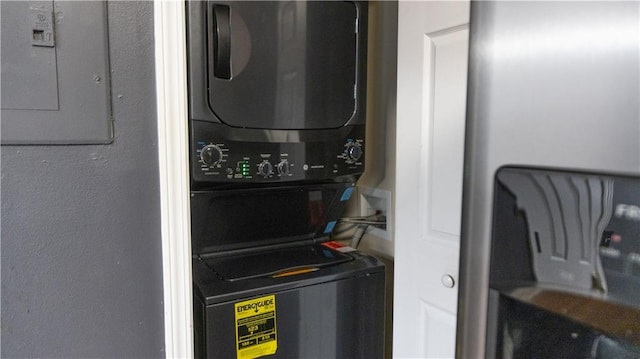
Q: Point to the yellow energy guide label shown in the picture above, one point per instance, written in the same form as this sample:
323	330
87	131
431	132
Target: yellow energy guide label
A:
256	327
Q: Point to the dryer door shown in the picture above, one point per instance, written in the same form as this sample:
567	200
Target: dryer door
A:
283	65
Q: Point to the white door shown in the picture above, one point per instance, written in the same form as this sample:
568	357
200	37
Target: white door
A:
432	74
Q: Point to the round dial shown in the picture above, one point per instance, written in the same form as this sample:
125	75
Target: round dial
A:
283	168
354	152
265	169
211	155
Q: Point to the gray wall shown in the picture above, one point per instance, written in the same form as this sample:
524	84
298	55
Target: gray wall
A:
81	246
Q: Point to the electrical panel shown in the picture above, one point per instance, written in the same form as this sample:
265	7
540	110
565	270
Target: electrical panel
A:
55	73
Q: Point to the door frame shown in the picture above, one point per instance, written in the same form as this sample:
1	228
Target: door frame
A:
173	156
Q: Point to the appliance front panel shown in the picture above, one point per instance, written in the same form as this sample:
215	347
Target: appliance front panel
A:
220	154
248	218
336	319
293	65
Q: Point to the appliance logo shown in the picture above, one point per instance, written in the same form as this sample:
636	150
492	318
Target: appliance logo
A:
628	211
255	306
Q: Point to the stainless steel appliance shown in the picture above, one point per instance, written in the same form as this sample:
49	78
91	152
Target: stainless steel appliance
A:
555	87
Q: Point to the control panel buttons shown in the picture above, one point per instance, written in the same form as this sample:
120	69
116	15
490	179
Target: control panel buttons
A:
219	159
283	168
354	151
265	169
211	155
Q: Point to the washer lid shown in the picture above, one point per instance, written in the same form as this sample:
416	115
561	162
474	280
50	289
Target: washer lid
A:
276	263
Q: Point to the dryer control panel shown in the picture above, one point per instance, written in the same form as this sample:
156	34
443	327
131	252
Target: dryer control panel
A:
220	155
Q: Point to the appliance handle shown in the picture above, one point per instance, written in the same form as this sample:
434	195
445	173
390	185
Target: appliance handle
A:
219	29
294	271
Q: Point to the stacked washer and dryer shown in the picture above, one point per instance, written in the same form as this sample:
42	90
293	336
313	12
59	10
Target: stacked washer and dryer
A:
277	126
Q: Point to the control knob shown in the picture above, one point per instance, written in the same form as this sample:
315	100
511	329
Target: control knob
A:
211	155
354	151
283	168
265	169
